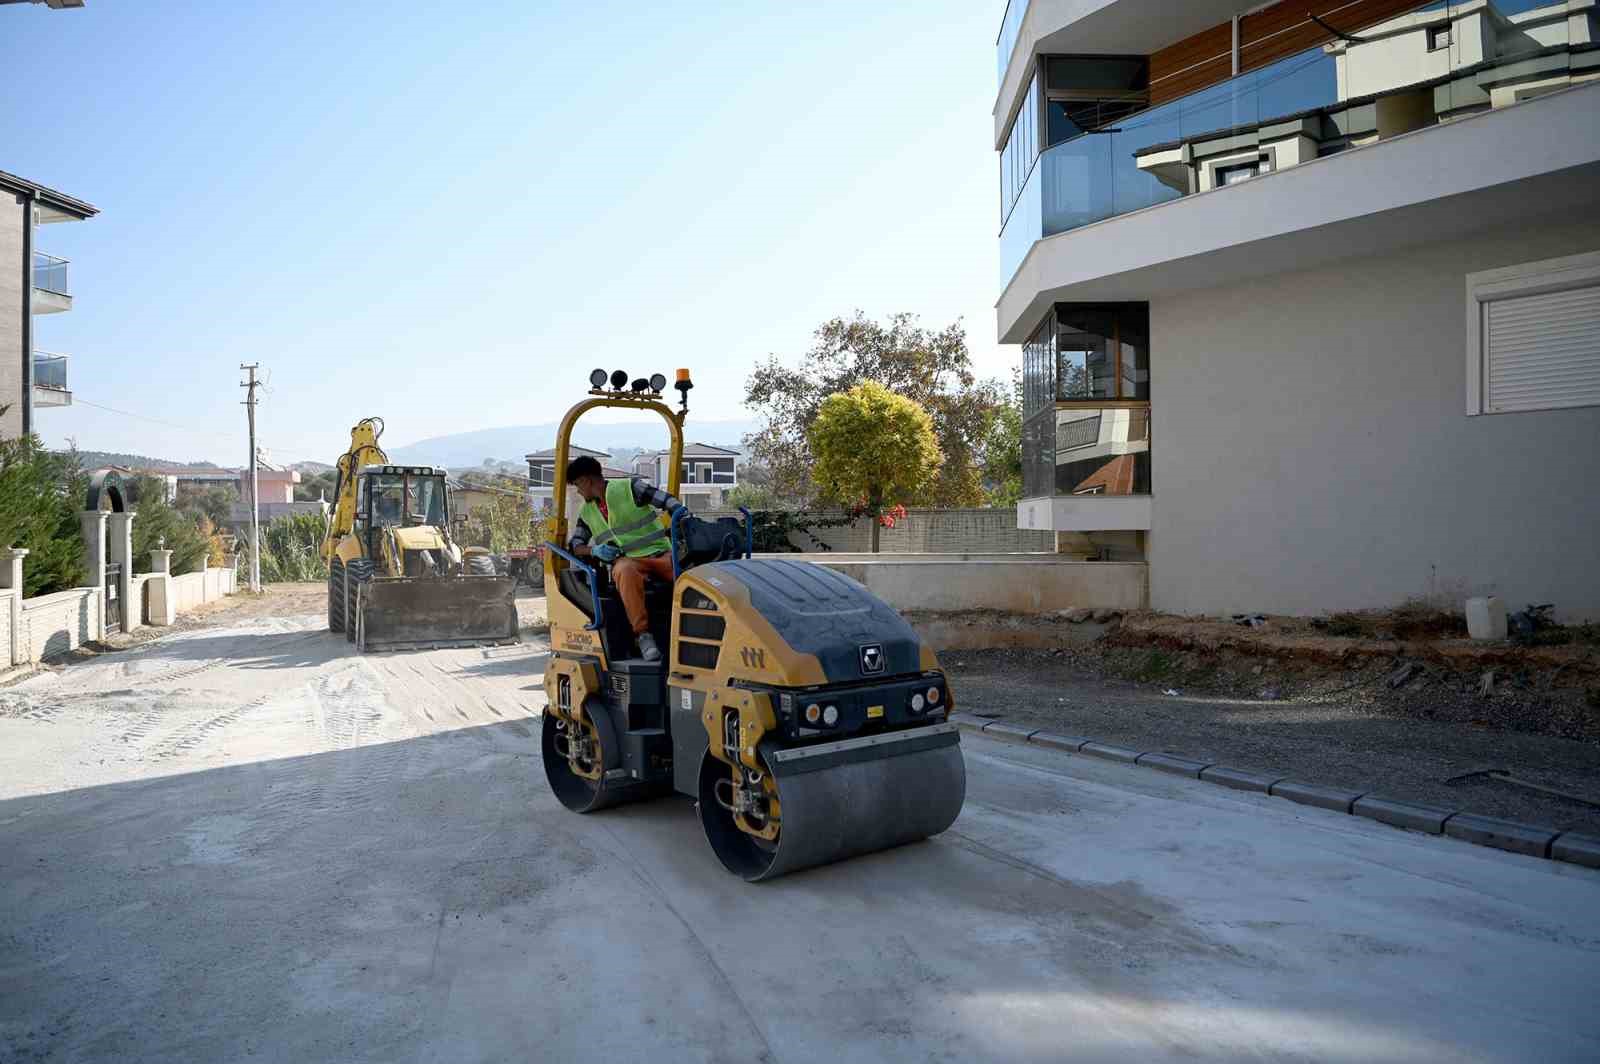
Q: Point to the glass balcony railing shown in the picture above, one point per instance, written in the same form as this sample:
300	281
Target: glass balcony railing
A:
1010	29
50	371
50	274
1435	64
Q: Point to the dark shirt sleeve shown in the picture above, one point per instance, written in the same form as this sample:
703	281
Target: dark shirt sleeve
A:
580	535
647	494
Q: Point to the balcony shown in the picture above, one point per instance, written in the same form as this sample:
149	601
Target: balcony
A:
50	380
1430	67
52	292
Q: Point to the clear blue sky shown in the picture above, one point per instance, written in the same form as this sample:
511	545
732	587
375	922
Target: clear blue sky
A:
446	214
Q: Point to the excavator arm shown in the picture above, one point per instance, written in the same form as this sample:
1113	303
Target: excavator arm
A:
364	451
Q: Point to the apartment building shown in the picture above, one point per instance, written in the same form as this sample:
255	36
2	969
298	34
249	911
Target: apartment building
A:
33	285
1308	294
542	473
706	476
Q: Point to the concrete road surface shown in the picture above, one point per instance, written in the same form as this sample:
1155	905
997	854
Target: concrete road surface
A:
251	844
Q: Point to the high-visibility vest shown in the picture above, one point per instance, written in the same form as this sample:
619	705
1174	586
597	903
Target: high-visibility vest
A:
635	530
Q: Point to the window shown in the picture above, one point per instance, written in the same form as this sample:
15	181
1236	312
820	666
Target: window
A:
1232	175
1020	151
1438	37
1533	336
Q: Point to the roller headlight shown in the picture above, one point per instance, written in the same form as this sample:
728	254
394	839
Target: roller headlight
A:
830	716
933	696
917	703
813	713
658	381
597	378
619	378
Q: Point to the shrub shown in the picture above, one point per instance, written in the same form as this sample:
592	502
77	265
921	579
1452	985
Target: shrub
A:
291	549
40	497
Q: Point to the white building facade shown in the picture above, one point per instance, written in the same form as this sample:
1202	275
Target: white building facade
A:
1309	296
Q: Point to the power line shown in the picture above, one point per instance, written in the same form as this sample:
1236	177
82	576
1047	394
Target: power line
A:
142	417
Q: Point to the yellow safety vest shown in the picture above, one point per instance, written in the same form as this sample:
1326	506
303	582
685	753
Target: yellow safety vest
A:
636	530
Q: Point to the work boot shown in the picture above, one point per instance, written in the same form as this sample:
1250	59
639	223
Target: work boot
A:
647	647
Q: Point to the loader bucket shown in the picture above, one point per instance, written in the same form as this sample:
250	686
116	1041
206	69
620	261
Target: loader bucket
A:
419	613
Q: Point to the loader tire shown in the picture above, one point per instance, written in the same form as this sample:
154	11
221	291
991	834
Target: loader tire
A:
336	596
356	573
479	565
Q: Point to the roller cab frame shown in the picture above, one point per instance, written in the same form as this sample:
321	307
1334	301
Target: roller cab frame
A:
804	715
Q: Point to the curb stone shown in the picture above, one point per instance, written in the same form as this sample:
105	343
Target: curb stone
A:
1501	834
1417	817
1531	839
1239	779
1070	743
1335	798
1178	766
1576	849
1001	730
1111	752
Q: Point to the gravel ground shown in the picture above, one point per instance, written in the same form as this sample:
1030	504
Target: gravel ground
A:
1342	739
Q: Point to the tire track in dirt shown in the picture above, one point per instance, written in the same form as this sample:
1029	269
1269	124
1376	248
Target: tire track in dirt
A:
193	734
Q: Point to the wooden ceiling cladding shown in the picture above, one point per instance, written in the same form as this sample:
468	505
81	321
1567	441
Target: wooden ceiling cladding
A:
1265	37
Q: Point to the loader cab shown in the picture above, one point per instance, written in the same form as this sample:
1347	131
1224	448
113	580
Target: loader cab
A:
401	497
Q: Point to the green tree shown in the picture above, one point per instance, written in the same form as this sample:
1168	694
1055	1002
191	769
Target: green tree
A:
873	449
503	524
160	524
41	493
316	486
1002	450
214	501
931	368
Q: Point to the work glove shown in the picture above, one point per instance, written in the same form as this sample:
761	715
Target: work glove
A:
606	552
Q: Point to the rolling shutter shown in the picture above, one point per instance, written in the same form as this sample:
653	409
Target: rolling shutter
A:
1542	351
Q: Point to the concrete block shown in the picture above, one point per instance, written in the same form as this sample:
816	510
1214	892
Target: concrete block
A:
1413	815
1177	766
967	720
1017	733
1501	834
1110	752
1239	779
1577	849
1335	798
1055	741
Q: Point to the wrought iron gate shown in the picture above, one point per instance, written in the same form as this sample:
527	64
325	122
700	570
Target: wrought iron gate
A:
113	610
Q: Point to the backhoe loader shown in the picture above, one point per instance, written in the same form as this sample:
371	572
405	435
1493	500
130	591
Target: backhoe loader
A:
804	715
396	580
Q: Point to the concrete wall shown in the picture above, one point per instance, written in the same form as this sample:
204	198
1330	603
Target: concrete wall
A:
1015	585
977	531
196	589
12	215
52	625
1314	454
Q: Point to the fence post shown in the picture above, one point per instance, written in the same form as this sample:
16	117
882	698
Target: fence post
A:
94	546
121	547
11	588
230	568
163	608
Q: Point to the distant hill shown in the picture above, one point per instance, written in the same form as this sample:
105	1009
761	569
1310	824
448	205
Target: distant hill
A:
463	450
311	468
101	459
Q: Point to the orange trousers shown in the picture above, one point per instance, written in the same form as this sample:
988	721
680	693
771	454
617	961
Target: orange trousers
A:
629	576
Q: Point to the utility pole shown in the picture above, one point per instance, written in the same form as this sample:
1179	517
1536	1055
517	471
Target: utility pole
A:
250	385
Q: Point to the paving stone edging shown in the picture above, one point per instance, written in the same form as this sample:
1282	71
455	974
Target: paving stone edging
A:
1531	839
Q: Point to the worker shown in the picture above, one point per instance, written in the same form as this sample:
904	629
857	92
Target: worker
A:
619	525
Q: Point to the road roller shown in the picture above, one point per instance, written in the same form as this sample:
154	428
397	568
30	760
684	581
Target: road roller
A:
802	713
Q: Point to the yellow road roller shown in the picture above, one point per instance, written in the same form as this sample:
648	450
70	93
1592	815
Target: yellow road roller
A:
802	713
